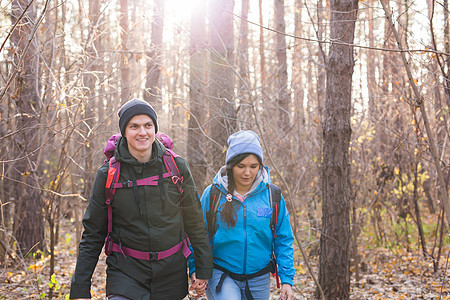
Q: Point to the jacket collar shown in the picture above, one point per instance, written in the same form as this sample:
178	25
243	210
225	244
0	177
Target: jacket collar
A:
122	153
262	179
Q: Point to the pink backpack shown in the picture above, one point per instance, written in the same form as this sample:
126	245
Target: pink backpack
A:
112	141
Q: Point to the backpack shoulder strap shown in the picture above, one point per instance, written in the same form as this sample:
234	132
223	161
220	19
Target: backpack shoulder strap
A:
211	215
171	166
169	161
111	178
275	199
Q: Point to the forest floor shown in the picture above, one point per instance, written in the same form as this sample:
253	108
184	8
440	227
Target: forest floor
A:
384	274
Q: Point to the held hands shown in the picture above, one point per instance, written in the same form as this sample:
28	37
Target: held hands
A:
286	292
199	285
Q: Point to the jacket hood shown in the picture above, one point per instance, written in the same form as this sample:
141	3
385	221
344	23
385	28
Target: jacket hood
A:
262	179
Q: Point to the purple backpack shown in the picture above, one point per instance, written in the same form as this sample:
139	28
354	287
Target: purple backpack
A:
112	183
112	142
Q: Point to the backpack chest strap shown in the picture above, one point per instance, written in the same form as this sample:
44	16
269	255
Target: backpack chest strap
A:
153	180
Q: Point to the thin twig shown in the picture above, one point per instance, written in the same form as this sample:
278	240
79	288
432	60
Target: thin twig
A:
421	104
15	24
337	42
445	274
25	50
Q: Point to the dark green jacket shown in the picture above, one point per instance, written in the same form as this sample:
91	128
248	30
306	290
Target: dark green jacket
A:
150	225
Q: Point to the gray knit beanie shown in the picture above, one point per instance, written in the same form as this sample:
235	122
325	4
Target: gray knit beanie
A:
244	141
133	108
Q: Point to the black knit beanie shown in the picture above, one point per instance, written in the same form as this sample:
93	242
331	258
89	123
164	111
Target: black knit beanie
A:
133	108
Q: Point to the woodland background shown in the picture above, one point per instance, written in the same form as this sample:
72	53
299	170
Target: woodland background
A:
350	99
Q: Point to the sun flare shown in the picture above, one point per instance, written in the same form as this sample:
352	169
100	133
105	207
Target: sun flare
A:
182	8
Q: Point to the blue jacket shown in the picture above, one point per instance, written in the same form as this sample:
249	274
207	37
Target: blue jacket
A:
247	247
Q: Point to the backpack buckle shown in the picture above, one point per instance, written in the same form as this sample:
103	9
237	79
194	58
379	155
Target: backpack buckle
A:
152	256
127	184
108	245
178	182
121	250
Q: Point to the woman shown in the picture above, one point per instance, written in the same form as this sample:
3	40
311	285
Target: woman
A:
243	242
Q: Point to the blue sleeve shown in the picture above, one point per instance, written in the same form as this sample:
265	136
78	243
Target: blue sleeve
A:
205	206
283	245
191	261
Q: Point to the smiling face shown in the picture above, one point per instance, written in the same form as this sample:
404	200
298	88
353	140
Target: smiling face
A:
140	135
244	173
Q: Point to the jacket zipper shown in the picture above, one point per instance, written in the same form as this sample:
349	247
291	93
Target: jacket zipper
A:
245	239
147	219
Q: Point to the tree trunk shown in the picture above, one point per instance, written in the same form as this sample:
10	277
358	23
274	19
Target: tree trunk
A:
221	78
262	55
90	96
28	221
334	269
297	77
321	72
447	49
371	77
386	79
418	218
311	116
196	150
154	64
125	69
244	93
283	96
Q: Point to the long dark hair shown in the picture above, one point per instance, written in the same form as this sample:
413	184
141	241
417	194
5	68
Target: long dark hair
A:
228	213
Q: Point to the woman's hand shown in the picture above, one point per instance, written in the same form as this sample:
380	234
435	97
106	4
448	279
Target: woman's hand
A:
199	285
286	292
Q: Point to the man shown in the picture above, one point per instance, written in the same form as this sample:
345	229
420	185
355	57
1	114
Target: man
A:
145	219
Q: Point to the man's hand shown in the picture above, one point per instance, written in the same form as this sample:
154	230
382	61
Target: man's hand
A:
286	292
199	285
